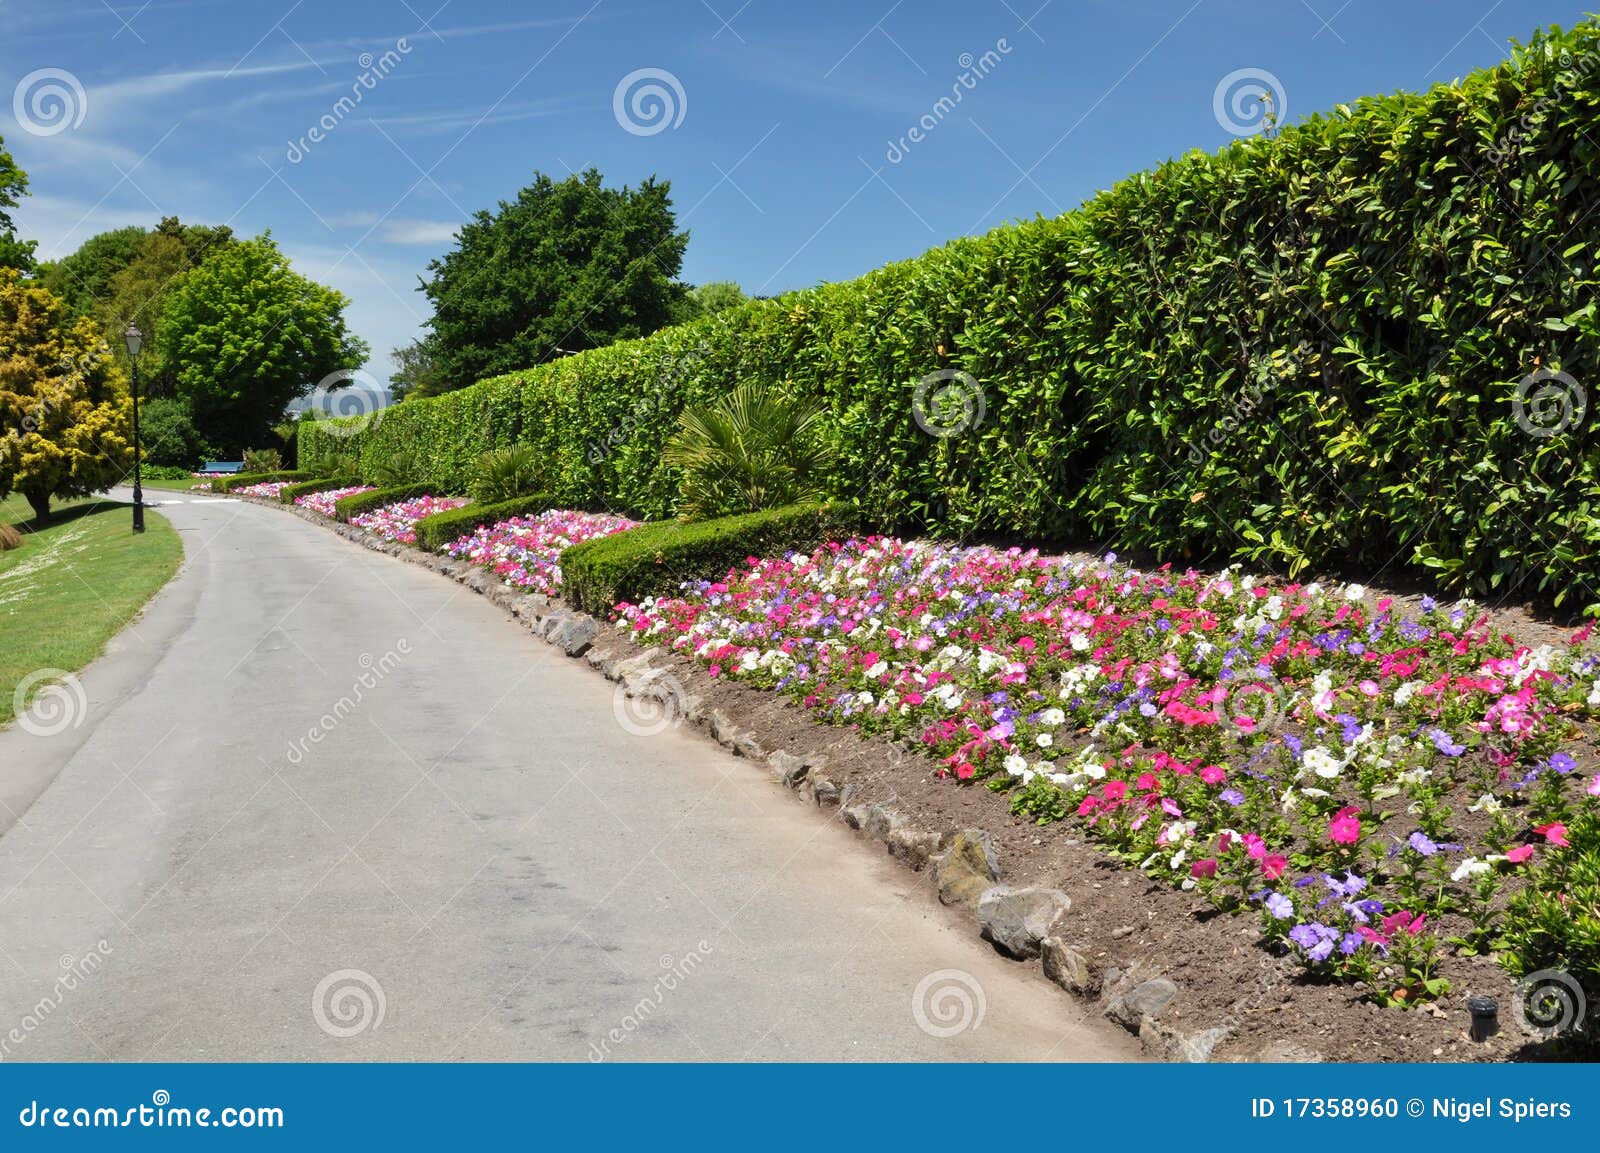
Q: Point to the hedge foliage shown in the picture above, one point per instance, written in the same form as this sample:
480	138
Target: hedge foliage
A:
245	480
348	507
1303	351
655	559
434	532
321	484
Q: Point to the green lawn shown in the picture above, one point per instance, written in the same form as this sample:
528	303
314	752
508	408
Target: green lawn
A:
73	584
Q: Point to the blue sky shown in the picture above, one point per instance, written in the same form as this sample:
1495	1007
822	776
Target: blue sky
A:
778	140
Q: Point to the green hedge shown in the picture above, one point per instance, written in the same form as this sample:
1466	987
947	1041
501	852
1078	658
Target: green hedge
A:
655	559
321	484
434	532
245	480
347	508
1300	352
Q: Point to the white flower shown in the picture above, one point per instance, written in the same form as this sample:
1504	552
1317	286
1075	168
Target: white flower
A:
1016	765
1406	691
1052	717
878	670
1485	804
1044	740
1320	761
1080	642
1594	696
1354	592
865	698
1471	867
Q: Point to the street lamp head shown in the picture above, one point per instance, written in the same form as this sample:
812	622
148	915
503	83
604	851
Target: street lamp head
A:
135	340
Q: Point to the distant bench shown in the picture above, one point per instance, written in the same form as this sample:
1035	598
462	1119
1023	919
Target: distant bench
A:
223	466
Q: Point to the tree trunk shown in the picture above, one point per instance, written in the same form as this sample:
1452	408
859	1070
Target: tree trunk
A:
40	503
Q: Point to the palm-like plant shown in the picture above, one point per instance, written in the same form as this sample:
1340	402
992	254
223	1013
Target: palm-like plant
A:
755	448
505	474
400	468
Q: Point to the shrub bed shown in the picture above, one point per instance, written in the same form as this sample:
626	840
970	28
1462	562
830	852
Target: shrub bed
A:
266	490
657	558
397	521
244	480
1364	780
528	552
353	506
435	532
1266	353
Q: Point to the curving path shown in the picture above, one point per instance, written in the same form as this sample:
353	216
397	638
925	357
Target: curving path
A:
475	840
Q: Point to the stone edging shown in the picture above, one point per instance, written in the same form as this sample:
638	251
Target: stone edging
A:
1021	923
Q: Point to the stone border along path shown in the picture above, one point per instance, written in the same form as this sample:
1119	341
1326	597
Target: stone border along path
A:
1020	922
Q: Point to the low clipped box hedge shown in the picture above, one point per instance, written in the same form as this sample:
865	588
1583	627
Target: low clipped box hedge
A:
1317	347
655	559
245	480
347	508
434	532
321	484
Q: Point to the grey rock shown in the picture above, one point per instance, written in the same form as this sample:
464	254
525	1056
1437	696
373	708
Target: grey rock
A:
1147	999
1284	1053
596	658
881	821
1169	1044
911	846
622	668
576	635
1016	920
1067	967
968	869
790	769
854	815
823	790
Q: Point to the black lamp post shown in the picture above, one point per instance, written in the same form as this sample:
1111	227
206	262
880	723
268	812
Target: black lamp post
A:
135	340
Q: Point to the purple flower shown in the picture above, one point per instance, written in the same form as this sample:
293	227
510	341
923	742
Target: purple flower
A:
1231	797
1562	763
1429	604
1423	844
1280	907
1349	943
1347	888
1442	742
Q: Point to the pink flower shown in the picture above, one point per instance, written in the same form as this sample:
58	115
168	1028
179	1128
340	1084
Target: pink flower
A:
1519	854
1206	868
1213	775
1345	828
1369	688
1594	786
1556	834
1272	868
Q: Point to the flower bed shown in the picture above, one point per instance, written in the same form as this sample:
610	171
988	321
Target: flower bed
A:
398	522
324	501
1355	775
525	551
270	489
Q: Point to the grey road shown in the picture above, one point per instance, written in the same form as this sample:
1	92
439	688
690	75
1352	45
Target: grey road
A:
469	859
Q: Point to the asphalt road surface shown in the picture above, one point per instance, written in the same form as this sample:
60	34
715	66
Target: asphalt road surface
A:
213	858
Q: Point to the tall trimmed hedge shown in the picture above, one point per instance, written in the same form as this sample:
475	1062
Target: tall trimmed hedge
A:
1304	350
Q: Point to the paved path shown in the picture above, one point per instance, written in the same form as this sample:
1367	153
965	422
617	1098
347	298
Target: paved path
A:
476	838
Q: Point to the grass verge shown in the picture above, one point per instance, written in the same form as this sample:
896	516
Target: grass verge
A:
73	585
